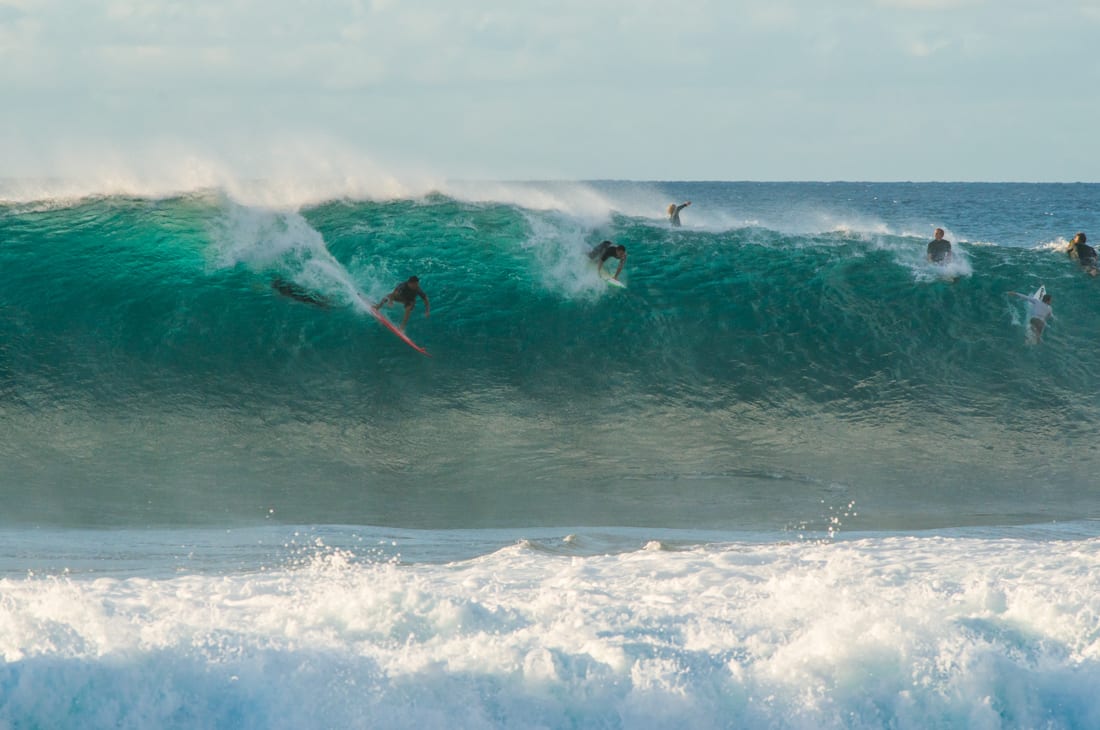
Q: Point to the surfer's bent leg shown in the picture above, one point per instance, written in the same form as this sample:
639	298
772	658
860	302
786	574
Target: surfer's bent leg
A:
1037	327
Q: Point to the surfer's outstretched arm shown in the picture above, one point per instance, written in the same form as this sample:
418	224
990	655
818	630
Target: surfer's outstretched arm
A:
1022	296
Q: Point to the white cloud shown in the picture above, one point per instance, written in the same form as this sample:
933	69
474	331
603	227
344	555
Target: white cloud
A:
530	86
923	48
927	4
773	16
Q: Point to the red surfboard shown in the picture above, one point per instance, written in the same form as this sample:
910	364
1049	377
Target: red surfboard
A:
394	329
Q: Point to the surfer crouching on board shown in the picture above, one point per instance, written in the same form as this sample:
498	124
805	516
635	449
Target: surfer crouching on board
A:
406	293
606	250
1039	312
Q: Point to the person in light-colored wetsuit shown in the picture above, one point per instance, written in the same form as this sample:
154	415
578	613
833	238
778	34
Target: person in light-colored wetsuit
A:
1038	313
674	213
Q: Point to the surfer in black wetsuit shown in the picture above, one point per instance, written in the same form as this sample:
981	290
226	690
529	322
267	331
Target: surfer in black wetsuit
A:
605	250
298	293
674	213
406	293
939	249
1084	253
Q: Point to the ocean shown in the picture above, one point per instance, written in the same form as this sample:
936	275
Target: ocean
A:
792	476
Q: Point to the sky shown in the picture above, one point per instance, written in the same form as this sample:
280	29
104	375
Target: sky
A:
878	90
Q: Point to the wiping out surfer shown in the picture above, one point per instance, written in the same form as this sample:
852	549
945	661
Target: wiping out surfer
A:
606	250
299	293
1038	313
406	293
674	212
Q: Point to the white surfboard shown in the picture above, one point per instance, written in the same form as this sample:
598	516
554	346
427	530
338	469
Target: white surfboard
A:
614	282
1029	336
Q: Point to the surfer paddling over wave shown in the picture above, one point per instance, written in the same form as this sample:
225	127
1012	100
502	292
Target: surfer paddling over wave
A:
1084	254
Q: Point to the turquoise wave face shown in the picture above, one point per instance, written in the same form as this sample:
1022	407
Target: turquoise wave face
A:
164	329
128	288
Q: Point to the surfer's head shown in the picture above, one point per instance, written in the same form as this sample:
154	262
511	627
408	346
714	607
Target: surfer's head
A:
1080	238
414	280
620	251
939	233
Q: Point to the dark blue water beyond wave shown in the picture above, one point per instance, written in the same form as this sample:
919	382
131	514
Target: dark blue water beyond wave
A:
785	360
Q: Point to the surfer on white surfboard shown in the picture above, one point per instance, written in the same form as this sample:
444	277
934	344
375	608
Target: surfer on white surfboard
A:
1039	311
606	250
406	293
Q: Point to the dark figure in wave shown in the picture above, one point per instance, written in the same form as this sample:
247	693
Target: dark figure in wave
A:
1084	253
939	249
406	293
674	213
606	250
299	293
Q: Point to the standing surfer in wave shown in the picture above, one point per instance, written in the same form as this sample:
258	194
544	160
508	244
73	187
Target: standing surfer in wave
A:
1084	253
674	212
406	293
1039	311
606	250
939	249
